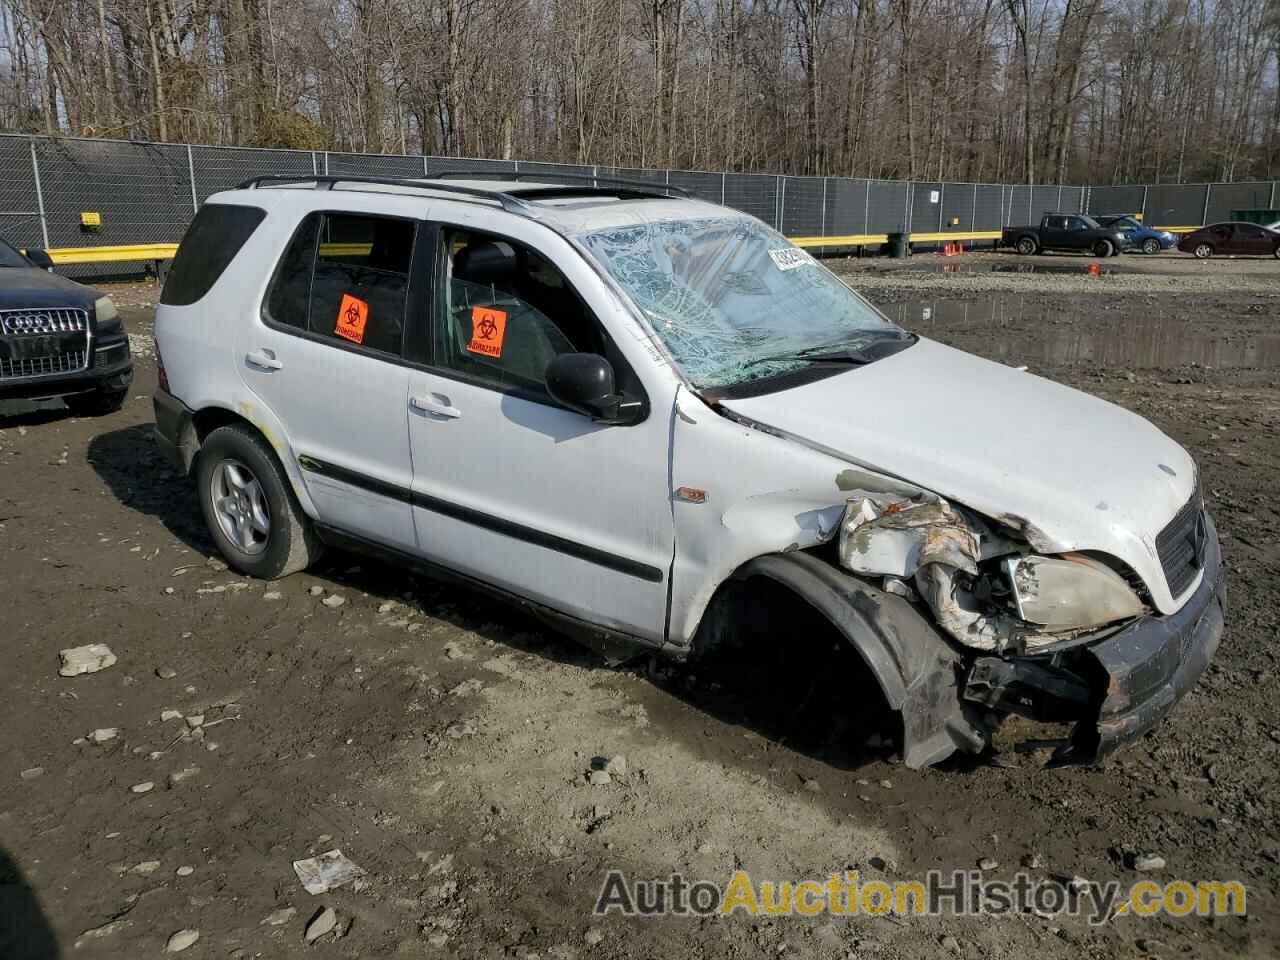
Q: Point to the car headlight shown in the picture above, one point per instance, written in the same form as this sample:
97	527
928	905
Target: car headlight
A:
104	309
1069	592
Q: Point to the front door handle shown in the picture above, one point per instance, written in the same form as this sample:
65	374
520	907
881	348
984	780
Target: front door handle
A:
435	405
263	360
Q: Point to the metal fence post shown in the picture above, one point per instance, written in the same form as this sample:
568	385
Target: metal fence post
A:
35	170
1059	198
973	211
866	209
326	163
1145	188
1204	216
723	175
779	202
824	208
426	167
942	203
191	172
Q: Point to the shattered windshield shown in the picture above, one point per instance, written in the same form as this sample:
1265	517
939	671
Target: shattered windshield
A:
733	300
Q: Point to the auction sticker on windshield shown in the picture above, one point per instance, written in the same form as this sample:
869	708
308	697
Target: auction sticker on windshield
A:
788	258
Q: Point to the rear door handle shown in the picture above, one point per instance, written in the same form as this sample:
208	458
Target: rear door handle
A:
263	360
435	405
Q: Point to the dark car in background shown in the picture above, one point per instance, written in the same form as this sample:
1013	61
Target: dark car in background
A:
59	338
1141	237
1068	232
1233	238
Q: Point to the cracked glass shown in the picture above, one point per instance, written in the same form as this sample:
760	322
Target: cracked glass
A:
727	295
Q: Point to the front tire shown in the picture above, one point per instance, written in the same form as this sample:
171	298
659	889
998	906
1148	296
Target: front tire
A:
95	403
1103	249
1276	252
1025	246
249	506
1203	251
1150	246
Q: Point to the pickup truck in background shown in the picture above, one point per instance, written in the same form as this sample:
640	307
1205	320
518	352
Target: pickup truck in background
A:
1068	232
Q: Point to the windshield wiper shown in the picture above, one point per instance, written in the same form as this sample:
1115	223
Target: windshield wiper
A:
876	350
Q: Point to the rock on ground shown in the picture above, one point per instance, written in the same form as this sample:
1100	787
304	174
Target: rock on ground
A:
77	661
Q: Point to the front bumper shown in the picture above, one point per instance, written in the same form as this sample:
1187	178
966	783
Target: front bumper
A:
1119	688
110	368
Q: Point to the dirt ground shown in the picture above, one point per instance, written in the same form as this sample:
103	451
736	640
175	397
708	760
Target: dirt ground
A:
442	742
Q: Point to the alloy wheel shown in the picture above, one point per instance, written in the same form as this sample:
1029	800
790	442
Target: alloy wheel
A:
240	505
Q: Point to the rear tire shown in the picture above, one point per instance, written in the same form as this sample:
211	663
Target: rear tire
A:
1203	251
249	506
1025	246
96	403
1276	252
1104	249
1150	246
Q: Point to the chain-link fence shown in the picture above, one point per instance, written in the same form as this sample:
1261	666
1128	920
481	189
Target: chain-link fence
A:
148	192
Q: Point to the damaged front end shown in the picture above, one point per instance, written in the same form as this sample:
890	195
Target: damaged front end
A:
1056	637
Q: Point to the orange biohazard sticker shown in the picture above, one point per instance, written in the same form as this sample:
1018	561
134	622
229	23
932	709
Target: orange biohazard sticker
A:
352	315
488	327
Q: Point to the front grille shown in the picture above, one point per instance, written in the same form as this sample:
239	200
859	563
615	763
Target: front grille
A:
68	362
43	342
1179	546
48	320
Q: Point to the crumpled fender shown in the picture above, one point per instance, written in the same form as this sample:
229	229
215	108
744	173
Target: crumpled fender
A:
916	669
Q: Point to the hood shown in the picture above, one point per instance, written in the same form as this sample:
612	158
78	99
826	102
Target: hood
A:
31	287
1068	470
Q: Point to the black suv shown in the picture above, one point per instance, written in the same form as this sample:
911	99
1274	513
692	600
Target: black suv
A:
59	338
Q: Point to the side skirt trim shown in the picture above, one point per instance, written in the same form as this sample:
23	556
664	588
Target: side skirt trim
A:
507	528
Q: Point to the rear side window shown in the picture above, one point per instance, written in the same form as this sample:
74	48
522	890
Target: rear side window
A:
346	277
211	243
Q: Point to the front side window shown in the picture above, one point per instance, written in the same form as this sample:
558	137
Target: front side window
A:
734	301
507	312
346	277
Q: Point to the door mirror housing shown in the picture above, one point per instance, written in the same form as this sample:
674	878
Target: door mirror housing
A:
584	382
40	258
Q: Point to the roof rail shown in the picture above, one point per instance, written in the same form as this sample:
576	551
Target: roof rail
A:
641	188
509	202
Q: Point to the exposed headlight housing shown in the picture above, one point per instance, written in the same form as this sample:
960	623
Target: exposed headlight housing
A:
1069	592
104	309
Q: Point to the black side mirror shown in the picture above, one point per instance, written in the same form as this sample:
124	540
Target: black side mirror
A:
40	258
584	382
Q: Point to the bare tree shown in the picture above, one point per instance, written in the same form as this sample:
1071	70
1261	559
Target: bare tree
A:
1062	90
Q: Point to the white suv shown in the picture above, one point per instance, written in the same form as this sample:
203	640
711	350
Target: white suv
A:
627	409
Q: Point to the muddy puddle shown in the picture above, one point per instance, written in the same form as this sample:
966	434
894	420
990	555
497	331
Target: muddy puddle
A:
1016	330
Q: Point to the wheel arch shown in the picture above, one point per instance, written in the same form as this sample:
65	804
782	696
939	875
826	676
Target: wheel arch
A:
917	671
202	422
